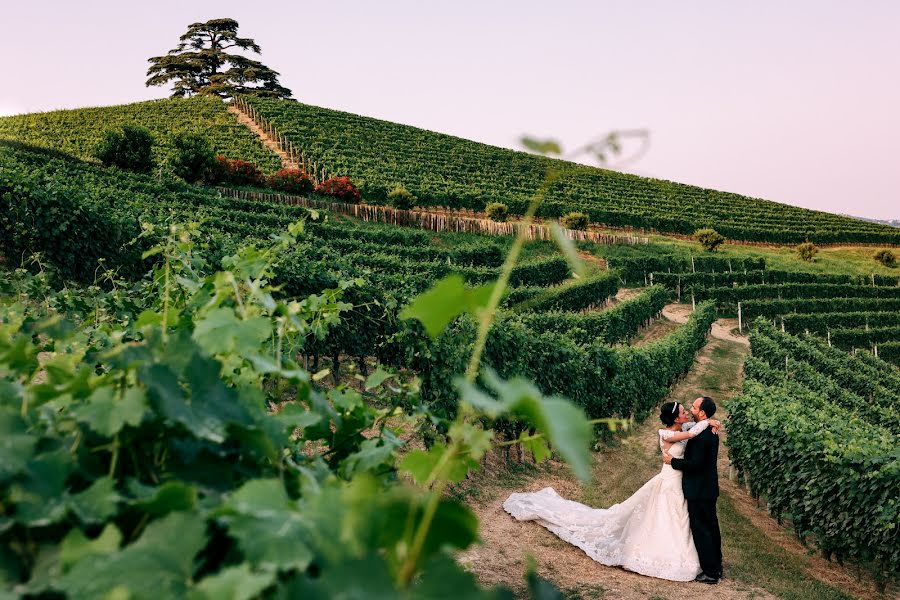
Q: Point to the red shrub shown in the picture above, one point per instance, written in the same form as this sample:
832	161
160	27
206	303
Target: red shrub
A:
292	181
238	172
339	187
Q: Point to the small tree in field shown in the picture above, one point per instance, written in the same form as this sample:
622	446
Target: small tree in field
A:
131	149
402	198
194	158
497	211
886	257
710	239
201	64
575	220
807	251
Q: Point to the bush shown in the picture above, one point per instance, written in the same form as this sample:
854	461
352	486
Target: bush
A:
497	211
402	198
886	257
194	159
807	251
291	181
237	172
132	149
710	239
339	187
575	220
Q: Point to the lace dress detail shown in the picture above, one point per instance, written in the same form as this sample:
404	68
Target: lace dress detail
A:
649	533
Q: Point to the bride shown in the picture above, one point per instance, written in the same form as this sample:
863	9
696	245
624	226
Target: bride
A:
648	533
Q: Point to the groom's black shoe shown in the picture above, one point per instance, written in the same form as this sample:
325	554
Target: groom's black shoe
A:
704	578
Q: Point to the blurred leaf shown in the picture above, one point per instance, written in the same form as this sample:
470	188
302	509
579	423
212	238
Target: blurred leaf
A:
76	545
377	378
171	496
269	530
233	583
567	246
16	446
548	146
565	425
446	300
158	565
106	415
98	502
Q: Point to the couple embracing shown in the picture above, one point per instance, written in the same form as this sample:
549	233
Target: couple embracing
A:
668	528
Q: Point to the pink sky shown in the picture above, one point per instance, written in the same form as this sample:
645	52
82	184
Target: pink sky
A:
796	101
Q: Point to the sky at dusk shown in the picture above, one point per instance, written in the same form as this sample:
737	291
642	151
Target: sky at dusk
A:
795	101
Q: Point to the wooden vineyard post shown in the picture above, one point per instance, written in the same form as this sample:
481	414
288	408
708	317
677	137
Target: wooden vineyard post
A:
740	323
693	268
693	303
828	332
875	349
651	278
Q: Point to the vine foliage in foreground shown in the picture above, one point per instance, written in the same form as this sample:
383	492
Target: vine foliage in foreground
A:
160	440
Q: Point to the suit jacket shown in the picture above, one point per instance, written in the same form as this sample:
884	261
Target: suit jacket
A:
701	479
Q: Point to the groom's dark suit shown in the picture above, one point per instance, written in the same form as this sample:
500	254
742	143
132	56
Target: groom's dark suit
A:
701	488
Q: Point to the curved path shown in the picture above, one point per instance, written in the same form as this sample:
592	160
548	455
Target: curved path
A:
721	329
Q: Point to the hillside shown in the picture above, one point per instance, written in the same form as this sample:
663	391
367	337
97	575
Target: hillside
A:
77	131
443	170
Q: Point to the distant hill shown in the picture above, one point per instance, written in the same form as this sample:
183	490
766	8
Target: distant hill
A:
77	131
443	170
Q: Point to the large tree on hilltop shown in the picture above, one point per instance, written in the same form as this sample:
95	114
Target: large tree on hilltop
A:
200	64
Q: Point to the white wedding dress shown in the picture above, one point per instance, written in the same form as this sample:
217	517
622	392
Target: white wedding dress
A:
649	533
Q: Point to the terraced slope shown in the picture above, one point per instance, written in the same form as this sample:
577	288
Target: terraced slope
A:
443	170
78	131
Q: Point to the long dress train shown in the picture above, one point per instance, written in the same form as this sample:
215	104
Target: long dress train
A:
649	533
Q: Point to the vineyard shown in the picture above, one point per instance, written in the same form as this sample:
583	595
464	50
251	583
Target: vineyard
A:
816	433
457	173
212	393
78	131
850	312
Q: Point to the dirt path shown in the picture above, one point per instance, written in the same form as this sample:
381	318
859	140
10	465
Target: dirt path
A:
267	141
721	329
762	559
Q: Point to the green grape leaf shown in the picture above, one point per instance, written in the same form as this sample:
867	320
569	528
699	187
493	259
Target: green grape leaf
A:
377	378
565	425
158	565
76	546
220	331
97	503
538	447
268	528
171	496
371	454
442	578
16	446
106	415
40	498
233	583
446	300
420	464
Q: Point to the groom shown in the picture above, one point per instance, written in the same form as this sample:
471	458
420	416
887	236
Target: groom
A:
701	488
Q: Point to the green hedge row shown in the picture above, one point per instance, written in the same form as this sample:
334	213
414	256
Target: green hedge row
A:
606	381
751	309
730	296
636	269
880	387
777	359
689	281
614	325
575	296
821	323
832	473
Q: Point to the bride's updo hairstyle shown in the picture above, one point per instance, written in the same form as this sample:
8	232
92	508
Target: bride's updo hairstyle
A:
668	413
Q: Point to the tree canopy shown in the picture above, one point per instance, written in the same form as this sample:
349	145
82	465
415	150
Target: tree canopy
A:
201	64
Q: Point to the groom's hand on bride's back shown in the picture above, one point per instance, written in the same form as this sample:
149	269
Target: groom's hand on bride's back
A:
667	458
